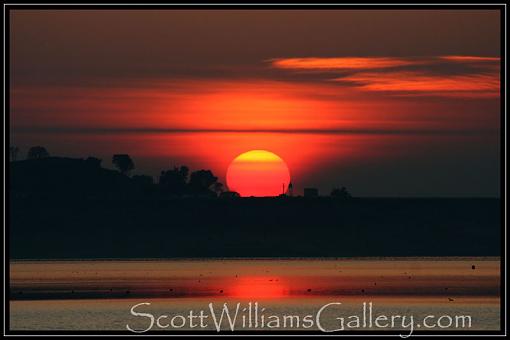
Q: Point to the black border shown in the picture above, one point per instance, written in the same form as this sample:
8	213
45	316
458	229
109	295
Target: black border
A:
501	6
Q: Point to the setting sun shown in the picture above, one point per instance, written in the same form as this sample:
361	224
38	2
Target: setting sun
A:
258	173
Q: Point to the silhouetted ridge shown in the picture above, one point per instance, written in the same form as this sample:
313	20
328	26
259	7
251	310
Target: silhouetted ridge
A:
66	176
74	208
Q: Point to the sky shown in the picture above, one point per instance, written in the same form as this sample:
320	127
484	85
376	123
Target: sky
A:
383	102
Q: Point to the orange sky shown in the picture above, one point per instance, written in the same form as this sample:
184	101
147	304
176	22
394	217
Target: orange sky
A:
329	106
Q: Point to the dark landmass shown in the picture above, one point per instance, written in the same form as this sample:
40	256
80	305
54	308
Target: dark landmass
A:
253	227
85	211
59	176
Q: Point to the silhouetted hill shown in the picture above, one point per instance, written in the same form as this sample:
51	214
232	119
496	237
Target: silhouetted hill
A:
66	176
73	208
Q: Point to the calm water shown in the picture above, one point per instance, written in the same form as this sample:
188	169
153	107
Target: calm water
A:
259	294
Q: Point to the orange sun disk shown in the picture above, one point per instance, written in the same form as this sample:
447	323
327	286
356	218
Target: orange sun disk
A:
258	173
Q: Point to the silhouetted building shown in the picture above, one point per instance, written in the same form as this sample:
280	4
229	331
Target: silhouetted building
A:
290	190
311	192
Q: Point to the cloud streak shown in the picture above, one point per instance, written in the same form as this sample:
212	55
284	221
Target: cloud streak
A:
449	75
343	63
469	59
311	131
365	63
477	85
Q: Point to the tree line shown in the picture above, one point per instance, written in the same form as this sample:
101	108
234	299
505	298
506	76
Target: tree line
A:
178	181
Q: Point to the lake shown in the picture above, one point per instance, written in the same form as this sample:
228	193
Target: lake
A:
368	294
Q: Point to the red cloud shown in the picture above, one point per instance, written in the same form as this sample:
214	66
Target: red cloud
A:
363	63
421	82
342	63
479	79
469	59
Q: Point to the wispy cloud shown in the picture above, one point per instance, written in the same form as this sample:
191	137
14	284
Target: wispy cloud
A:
416	82
310	131
469	59
357	63
364	63
449	75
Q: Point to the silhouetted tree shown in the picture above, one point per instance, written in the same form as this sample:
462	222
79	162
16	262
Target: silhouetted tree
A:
340	193
184	172
200	182
174	181
94	162
37	152
143	184
14	151
123	162
218	188
143	180
229	194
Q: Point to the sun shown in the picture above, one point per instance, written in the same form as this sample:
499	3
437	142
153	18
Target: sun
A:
258	173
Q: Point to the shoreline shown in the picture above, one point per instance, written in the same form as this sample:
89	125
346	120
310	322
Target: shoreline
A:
283	258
